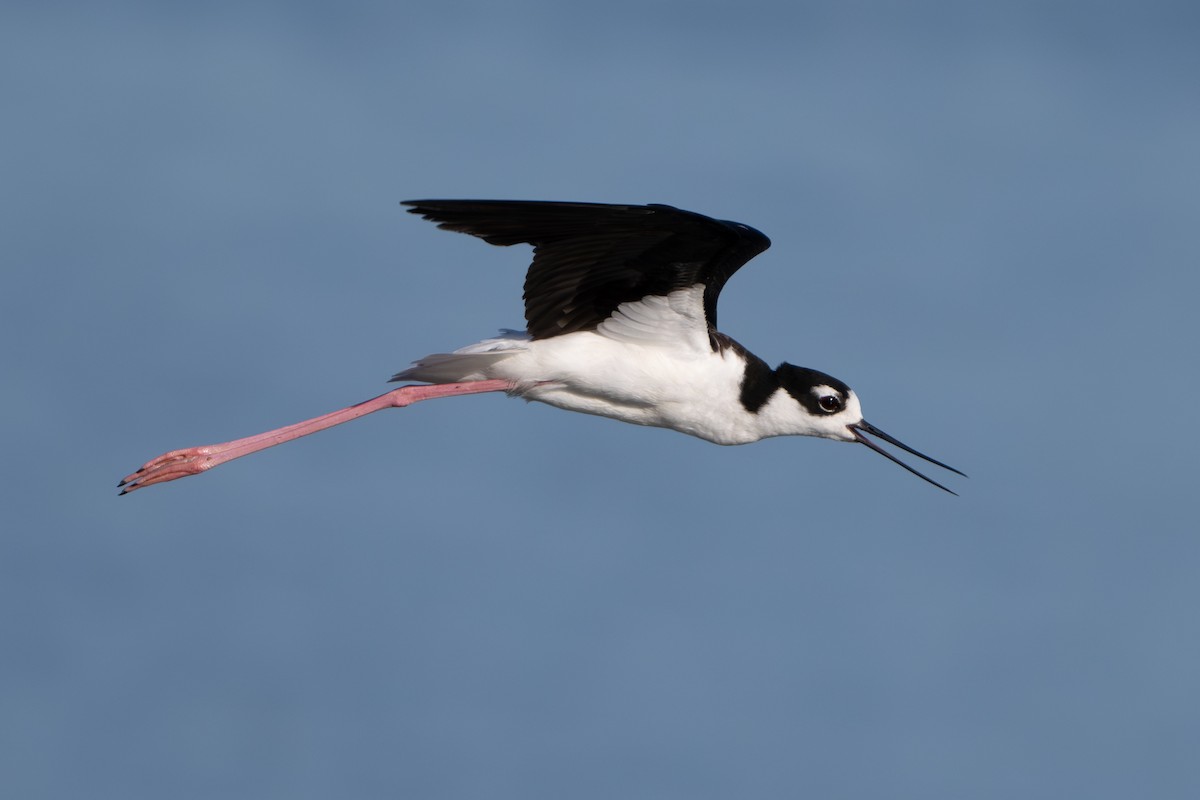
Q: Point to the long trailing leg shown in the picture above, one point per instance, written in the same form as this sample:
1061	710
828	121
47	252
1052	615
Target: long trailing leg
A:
194	460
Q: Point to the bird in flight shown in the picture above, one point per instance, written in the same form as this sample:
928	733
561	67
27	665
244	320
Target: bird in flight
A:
621	322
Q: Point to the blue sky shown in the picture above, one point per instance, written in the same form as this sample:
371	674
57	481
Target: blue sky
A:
985	220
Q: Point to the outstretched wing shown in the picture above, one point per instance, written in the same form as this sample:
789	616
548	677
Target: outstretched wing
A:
590	258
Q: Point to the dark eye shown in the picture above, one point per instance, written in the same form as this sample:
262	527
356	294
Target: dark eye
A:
830	403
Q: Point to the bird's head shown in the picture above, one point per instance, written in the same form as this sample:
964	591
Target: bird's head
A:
829	408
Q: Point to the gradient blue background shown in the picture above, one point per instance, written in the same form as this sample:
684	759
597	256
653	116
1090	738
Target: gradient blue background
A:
986	219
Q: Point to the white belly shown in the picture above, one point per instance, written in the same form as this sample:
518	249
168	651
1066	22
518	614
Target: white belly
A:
692	392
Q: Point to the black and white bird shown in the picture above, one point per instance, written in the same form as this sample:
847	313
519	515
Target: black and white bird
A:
621	322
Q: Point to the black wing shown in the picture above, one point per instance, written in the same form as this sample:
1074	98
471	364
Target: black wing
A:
589	258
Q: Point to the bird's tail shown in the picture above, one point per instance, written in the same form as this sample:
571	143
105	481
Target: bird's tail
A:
471	363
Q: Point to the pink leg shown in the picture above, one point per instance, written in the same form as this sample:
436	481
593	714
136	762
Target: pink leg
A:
193	460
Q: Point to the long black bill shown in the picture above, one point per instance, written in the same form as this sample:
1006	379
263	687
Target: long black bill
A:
866	427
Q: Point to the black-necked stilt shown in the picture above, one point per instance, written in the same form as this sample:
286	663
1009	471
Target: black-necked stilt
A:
621	306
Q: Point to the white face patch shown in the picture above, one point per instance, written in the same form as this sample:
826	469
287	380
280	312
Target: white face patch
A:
835	424
852	411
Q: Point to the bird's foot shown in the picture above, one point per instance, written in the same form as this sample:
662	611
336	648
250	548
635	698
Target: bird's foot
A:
169	466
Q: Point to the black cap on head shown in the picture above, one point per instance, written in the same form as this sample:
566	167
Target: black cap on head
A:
799	382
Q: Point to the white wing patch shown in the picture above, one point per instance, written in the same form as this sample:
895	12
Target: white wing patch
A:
676	319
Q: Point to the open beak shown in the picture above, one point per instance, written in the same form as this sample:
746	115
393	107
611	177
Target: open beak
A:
866	427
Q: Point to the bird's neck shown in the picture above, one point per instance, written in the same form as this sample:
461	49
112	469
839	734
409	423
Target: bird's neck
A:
759	381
